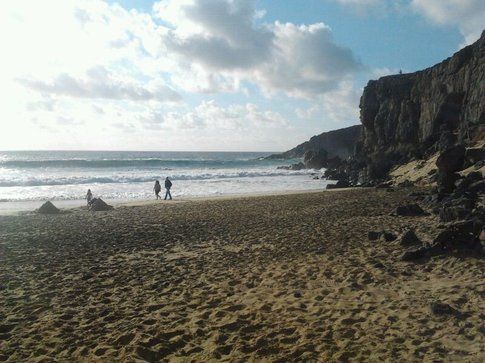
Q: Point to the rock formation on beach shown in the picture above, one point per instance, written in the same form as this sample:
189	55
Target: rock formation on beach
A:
412	116
99	205
325	148
48	208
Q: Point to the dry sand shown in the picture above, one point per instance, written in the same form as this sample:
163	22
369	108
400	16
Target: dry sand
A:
275	278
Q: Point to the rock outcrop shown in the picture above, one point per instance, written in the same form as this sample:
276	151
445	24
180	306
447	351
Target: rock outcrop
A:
99	205
339	143
414	115
48	208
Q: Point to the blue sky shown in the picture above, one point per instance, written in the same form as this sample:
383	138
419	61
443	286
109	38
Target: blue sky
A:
208	74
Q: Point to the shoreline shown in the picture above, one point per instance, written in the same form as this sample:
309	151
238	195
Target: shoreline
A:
13	208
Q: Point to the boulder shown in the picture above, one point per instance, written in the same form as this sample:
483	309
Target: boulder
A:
421	253
410	210
98	205
339	184
453	213
409	238
389	236
458	236
373	236
451	160
474	155
48	208
446	181
440	309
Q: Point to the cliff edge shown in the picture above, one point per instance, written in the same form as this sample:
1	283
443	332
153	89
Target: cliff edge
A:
406	116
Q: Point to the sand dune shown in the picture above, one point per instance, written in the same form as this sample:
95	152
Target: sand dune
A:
276	278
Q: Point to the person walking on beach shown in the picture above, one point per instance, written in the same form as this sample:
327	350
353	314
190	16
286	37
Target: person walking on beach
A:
157	188
168	185
89	196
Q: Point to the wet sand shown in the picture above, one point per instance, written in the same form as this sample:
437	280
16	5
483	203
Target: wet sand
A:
273	278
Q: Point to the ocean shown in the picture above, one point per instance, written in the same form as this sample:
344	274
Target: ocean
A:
125	176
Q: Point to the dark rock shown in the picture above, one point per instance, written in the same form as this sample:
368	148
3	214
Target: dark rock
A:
474	155
414	254
457	206
378	265
409	238
451	160
98	205
297	166
48	208
373	236
341	142
388	236
339	184
459	235
421	253
446	181
440	309
297	294
453	213
474	176
410	210
477	187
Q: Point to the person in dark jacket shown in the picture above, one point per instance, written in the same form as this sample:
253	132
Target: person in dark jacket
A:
89	196
168	185
157	188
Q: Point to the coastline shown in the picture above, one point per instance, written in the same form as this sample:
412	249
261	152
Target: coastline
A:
288	277
23	207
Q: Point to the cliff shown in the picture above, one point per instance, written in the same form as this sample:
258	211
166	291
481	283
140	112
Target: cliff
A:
406	116
339	143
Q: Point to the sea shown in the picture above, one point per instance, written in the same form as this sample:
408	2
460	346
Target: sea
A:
65	176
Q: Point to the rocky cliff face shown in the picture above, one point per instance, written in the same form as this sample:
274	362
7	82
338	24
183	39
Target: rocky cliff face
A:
339	143
409	116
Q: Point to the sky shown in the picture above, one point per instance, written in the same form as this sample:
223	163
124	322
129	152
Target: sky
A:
208	75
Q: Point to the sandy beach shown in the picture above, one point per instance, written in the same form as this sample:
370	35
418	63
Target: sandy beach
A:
265	278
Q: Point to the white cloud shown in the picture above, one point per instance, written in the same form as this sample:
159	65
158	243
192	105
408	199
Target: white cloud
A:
221	43
210	115
100	83
305	62
467	15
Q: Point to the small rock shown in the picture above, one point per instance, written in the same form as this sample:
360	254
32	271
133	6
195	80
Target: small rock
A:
98	205
474	155
48	208
440	309
373	236
378	265
388	236
339	184
409	238
410	210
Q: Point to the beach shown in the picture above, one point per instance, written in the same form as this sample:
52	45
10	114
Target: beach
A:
290	277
